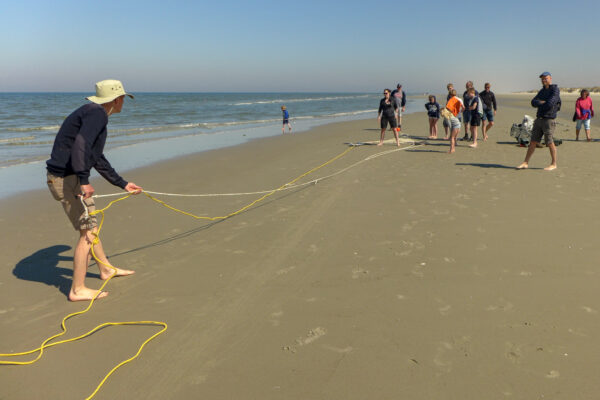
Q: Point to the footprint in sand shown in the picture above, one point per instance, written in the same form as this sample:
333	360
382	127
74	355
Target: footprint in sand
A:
513	352
589	310
313	248
312	335
284	271
358	272
553	374
503	305
275	318
338	349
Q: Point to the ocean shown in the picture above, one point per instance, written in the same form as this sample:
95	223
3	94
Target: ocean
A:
160	126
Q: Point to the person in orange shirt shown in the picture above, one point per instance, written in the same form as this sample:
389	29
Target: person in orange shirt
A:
455	106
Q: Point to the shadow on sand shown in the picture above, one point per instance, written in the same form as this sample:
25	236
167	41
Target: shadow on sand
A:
42	266
481	165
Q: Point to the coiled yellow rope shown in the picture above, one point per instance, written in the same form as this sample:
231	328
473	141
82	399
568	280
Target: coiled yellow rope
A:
46	343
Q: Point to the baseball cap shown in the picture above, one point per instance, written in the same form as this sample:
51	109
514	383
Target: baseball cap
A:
545	73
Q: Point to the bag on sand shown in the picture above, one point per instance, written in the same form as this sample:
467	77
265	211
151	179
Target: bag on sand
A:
522	132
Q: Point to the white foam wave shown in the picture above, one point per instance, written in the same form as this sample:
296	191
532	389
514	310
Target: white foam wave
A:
37	128
300	100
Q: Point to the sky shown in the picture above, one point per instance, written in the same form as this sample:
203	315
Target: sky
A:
297	46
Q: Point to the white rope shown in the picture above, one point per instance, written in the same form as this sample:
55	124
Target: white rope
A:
314	181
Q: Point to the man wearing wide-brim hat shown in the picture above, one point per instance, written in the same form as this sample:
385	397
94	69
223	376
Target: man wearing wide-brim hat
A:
79	147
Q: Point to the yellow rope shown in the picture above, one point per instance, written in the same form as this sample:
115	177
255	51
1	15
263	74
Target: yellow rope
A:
45	344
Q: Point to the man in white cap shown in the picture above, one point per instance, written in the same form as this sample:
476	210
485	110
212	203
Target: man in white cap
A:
78	147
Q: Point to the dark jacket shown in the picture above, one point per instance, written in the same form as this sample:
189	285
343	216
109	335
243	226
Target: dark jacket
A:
433	109
489	100
79	146
387	109
552	104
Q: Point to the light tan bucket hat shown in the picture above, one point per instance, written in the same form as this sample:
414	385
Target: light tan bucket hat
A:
108	90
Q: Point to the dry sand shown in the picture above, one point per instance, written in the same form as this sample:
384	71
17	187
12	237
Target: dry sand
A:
416	275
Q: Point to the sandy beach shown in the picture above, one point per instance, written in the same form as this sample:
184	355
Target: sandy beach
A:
414	275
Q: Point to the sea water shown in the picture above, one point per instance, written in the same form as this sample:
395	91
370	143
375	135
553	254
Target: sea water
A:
160	126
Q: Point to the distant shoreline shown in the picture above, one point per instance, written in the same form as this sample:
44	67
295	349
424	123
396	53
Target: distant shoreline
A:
592	90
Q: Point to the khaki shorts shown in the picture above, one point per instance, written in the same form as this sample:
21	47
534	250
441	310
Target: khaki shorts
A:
66	190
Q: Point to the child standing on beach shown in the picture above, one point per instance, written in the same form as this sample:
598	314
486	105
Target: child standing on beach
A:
455	106
446	122
584	111
474	105
286	119
433	112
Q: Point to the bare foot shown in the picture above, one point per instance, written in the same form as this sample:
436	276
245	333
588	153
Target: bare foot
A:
523	166
485	138
106	273
446	138
550	168
398	143
85	293
380	144
473	146
451	151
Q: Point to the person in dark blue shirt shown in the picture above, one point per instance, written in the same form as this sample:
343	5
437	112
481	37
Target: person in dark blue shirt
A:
547	101
387	115
79	147
286	119
433	113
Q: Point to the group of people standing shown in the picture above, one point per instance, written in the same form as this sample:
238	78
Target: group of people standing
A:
476	108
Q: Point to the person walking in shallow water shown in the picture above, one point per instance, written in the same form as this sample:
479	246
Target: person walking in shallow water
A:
78	147
286	120
548	104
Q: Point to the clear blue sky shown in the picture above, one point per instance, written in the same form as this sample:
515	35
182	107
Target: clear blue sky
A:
310	45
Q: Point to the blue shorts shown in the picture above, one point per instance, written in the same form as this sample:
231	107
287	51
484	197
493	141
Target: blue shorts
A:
285	121
584	122
466	116
488	115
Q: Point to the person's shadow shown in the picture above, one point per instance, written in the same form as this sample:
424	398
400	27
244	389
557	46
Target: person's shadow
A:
42	266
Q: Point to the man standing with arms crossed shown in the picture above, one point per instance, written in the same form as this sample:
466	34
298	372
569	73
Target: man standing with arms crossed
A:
548	103
79	147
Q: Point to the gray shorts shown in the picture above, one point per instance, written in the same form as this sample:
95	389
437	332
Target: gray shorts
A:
454	123
543	127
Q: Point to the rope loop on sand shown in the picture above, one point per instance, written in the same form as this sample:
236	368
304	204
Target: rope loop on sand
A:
47	343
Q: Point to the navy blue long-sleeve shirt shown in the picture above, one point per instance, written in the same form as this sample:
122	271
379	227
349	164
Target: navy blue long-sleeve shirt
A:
433	109
551	96
79	146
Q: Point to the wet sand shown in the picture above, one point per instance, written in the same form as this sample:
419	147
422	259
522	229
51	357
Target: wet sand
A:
414	275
